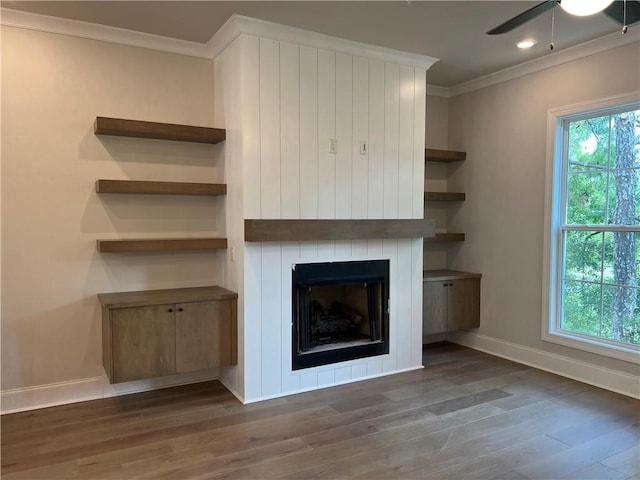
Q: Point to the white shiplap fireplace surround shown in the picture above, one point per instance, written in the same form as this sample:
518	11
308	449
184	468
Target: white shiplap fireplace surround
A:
282	94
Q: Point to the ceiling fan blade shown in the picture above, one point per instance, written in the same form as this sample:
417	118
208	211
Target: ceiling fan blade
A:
615	11
523	18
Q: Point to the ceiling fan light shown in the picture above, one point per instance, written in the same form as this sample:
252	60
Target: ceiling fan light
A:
583	8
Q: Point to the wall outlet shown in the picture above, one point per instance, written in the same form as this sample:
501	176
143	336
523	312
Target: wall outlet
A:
364	147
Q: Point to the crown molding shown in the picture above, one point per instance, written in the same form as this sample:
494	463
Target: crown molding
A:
104	33
235	26
436	91
239	24
552	59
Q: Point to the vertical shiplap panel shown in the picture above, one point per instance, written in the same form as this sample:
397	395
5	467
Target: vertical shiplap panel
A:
406	144
326	377
374	366
390	251
374	249
290	256
359	370
326	131
270	127
290	130
376	139
308	380
391	139
227	107
271	319
309	250
359	248
344	134
343	374
252	321
360	176
326	250
416	302
250	115
419	142
343	249
308	133
404	304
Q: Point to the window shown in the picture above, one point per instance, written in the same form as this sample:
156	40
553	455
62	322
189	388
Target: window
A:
593	244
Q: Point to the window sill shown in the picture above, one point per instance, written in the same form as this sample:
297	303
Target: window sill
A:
589	344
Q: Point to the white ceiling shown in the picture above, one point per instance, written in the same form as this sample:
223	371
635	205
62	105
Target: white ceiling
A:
453	31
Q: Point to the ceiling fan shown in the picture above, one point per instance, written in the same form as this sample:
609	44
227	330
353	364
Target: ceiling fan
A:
624	12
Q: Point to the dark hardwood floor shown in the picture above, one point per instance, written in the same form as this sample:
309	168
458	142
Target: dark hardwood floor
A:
466	415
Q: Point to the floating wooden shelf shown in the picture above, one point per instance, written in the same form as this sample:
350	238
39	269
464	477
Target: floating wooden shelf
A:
160	244
161	188
433	155
445	237
312	230
445	275
160	131
444	197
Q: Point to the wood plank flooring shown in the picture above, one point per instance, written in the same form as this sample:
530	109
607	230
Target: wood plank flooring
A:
465	415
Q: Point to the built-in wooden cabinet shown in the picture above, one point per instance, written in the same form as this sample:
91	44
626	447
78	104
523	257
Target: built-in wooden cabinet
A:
451	301
153	333
162	332
205	335
142	342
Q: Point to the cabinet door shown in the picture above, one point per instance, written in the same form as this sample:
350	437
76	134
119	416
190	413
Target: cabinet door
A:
463	304
434	308
143	340
203	335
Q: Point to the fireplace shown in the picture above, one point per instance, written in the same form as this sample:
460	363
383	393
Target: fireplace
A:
340	312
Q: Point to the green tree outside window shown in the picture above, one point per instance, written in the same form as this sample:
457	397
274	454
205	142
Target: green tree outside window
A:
601	248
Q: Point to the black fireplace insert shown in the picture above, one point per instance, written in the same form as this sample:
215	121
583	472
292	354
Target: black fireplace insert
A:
340	312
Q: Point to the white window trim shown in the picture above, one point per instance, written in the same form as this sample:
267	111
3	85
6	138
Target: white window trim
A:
550	291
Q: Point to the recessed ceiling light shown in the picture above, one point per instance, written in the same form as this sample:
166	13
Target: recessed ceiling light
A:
528	43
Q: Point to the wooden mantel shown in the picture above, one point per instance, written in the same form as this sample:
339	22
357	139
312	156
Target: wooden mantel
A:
312	230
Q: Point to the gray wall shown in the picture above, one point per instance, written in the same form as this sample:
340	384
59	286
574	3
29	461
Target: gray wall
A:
53	87
503	130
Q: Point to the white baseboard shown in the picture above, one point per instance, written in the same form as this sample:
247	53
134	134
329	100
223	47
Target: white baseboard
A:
590	373
62	393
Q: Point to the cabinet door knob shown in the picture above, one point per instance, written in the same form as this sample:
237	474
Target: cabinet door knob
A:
181	309
170	310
